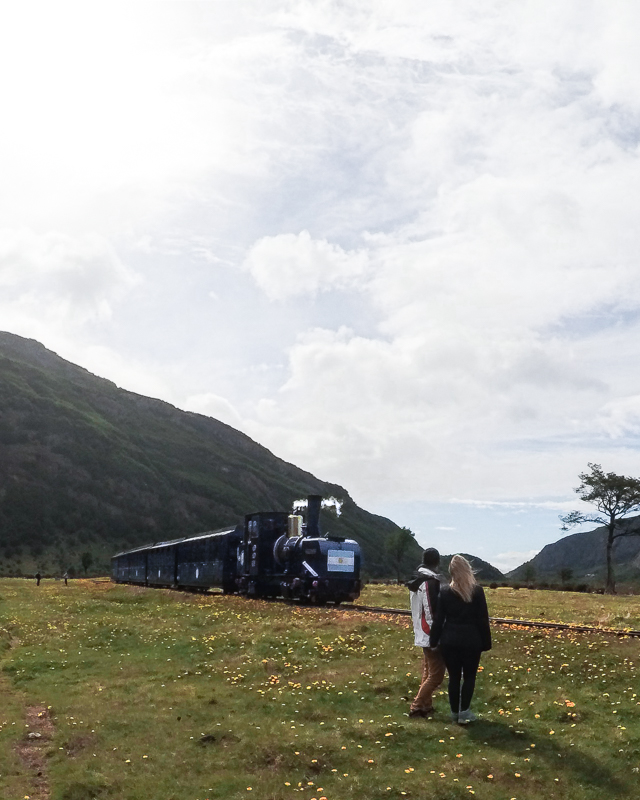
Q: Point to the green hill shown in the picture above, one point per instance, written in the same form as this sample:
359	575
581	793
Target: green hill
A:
87	467
582	556
484	571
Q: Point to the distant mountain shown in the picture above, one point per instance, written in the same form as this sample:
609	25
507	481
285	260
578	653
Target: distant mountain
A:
87	467
485	572
584	555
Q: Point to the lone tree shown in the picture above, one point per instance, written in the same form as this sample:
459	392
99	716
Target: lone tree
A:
615	497
399	544
566	573
87	561
529	573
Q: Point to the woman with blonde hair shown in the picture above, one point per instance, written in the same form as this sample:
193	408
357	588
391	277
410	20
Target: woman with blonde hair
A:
461	629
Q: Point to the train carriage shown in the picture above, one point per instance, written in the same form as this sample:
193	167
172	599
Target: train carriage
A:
209	560
162	564
130	567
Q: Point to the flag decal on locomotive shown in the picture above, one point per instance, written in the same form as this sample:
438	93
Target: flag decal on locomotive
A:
340	561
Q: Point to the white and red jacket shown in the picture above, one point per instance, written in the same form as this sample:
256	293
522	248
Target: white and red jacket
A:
424	590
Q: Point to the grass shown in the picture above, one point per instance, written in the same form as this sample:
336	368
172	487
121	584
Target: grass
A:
153	694
605	611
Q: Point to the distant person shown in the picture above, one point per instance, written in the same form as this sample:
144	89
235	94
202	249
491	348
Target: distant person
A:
38	578
66	578
425	588
461	628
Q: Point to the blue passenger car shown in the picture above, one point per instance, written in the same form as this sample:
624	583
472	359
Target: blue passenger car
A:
198	562
209	560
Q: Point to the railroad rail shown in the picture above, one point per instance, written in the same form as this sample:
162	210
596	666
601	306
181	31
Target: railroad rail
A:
525	623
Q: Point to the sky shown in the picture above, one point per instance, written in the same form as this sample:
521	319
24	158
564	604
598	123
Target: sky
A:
394	241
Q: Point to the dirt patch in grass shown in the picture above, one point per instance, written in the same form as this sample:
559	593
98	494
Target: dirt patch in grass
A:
221	739
274	759
31	749
77	745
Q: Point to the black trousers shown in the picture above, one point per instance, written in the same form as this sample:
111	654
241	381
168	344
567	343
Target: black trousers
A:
462	663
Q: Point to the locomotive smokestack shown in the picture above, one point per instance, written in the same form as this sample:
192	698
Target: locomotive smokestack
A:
314	502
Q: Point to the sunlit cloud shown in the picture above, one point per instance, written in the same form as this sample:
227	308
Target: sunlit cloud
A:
67	280
287	265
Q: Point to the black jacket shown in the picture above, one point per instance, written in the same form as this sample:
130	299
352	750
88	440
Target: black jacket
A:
460	624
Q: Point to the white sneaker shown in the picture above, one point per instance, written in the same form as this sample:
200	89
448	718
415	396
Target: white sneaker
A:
466	716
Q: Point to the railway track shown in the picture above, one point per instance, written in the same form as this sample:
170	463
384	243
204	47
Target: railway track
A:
525	623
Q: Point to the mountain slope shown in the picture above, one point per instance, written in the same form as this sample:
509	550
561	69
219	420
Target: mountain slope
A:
584	555
484	571
88	467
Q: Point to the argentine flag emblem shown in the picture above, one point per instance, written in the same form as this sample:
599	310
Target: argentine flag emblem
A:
340	561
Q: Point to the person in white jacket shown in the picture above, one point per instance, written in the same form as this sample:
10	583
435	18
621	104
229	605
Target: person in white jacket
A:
424	591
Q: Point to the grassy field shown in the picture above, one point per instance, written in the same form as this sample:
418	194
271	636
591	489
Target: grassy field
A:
114	692
605	611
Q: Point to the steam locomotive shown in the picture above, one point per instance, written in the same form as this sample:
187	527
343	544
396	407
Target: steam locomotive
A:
274	554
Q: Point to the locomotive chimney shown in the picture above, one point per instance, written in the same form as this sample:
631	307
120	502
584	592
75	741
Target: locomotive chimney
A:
314	502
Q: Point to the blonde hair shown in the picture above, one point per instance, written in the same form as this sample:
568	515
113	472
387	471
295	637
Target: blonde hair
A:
463	581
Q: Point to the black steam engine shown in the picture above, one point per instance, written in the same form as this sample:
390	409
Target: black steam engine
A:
275	554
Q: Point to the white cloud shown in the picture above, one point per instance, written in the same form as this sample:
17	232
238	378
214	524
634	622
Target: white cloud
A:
214	406
58	279
288	264
553	505
621	416
617	51
505	562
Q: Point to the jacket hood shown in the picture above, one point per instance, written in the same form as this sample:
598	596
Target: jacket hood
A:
428	573
421	575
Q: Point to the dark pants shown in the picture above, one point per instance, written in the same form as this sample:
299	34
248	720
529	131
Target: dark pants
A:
462	662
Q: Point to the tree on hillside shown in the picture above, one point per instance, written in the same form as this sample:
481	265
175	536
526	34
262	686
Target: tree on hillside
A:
398	544
566	573
615	497
87	561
